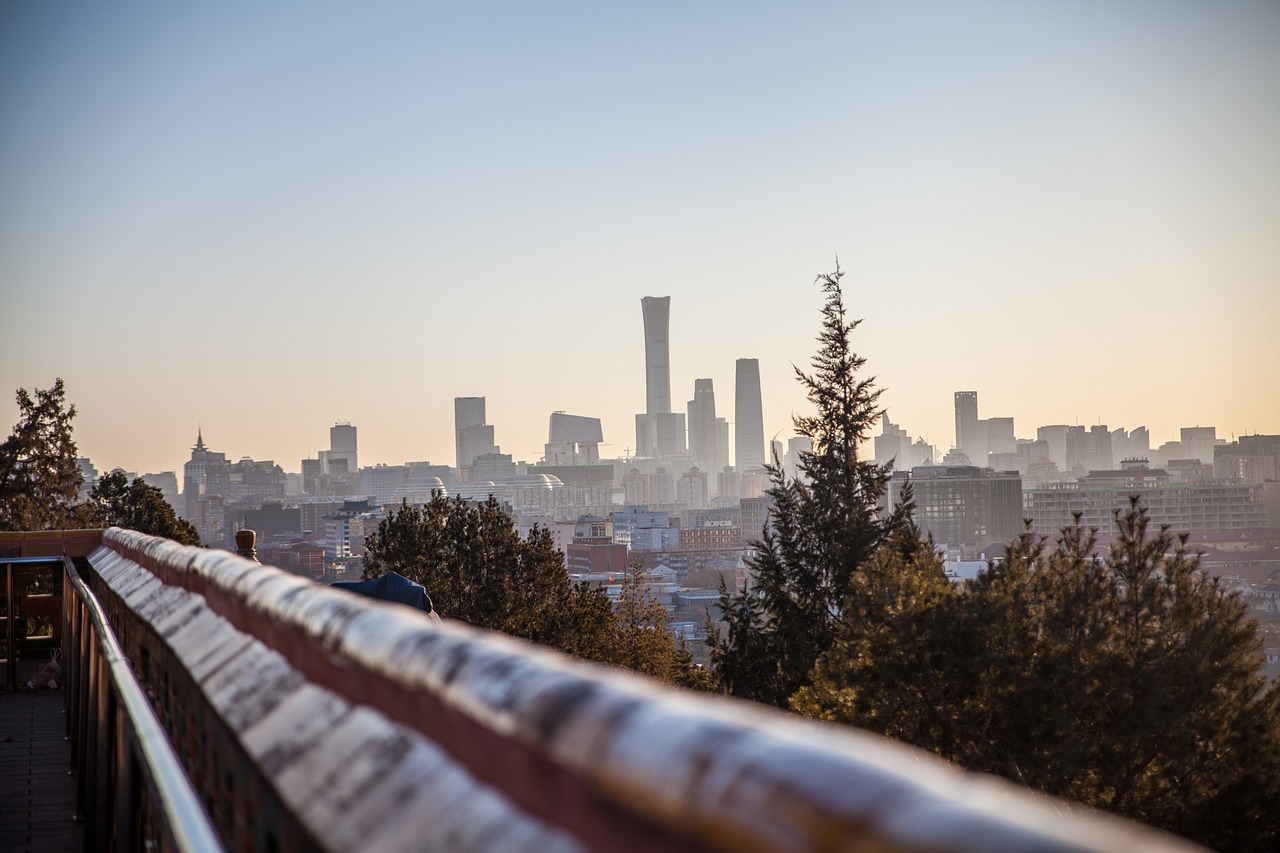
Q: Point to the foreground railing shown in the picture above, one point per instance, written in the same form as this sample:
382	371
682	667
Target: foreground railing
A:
132	791
311	718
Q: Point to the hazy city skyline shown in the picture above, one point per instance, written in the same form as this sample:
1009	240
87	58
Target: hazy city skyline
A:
261	221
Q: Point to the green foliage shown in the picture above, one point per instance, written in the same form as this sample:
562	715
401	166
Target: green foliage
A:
115	502
1130	683
640	640
39	478
477	569
824	528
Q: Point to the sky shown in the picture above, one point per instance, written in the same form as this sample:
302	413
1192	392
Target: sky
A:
257	219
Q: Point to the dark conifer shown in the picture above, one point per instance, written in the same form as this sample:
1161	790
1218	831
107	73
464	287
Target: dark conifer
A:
39	478
824	527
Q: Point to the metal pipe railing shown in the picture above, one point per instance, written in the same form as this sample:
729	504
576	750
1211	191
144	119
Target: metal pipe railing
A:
132	791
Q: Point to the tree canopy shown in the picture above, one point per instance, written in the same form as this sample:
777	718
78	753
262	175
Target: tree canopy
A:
1128	679
115	502
39	477
478	569
1129	682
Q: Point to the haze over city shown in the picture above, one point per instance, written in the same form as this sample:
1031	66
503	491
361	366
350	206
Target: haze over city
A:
259	220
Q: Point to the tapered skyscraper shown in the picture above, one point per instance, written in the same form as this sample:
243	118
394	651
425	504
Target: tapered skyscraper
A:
657	364
749	411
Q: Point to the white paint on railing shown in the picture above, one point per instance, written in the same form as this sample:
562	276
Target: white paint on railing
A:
719	772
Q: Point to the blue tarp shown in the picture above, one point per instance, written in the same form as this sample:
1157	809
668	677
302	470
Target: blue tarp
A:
391	587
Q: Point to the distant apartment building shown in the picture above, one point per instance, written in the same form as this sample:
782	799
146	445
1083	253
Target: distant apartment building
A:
1030	459
1248	459
643	529
703	529
1185	507
270	520
800	444
755	513
893	444
167	483
691	489
593	549
963	506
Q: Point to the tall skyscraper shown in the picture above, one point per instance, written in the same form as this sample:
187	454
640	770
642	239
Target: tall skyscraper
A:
749	416
657	364
474	437
702	426
967	439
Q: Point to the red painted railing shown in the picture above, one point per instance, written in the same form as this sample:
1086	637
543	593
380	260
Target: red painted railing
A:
311	718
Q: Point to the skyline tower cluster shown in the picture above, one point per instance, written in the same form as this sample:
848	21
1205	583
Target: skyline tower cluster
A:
662	433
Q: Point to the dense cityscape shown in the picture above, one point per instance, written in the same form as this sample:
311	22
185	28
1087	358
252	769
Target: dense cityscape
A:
930	501
680	512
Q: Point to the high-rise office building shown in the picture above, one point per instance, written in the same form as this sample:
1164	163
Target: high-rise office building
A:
749	416
573	440
1198	443
342	446
722	444
657	364
702	425
473	436
967	438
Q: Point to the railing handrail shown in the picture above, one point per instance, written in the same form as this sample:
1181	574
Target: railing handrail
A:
714	771
183	814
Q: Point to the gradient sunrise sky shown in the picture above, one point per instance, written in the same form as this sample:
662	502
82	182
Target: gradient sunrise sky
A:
260	218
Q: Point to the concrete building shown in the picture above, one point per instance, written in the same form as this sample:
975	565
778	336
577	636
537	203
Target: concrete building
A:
643	529
1248	459
749	414
799	444
668	435
1199	442
1185	507
470	437
573	440
893	444
967	439
167	483
342	445
593	550
755	514
691	489
195	476
964	507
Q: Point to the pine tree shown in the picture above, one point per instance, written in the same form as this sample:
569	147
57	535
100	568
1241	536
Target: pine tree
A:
824	527
39	478
1129	682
